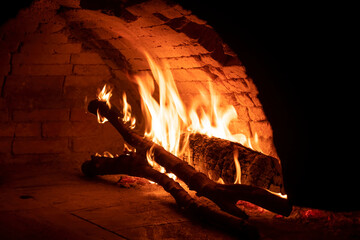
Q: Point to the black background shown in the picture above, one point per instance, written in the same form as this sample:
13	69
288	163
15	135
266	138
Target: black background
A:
304	60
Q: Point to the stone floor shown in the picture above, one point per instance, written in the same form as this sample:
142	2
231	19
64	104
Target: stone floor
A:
52	202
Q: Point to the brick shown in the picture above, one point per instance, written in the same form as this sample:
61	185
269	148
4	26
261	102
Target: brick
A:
4	69
42	70
242	112
206	59
40	58
195	19
56	25
163	46
4	115
190	75
81	114
244	100
183	62
263	129
43	146
165	50
257	114
34	85
31	48
3	104
238	85
96	70
41	115
239	127
119	43
97	144
147	21
255	100
138	64
84	81
71	129
160	31
252	88
267	147
2	80
46	38
4	58
218	87
28	130
170	13
86	58
32	102
181	10
80	93
7	129
5	145
102	33
8	46
193	87
234	72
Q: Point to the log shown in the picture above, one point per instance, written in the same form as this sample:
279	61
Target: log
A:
225	196
215	157
136	165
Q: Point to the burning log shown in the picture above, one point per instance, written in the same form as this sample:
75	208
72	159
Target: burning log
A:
137	165
215	157
225	196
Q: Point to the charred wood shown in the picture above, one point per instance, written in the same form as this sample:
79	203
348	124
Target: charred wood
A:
215	157
225	196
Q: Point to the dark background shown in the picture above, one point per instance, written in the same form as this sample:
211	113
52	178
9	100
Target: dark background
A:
303	59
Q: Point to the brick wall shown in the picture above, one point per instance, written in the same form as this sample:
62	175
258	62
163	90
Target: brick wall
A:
55	55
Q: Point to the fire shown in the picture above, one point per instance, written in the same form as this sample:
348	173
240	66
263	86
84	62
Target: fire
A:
237	166
127	118
166	116
104	95
169	122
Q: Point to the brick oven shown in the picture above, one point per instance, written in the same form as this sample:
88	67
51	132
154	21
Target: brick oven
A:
55	56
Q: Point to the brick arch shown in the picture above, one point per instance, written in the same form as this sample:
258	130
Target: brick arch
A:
63	54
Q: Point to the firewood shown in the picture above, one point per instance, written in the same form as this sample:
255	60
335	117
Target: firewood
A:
215	157
225	196
136	165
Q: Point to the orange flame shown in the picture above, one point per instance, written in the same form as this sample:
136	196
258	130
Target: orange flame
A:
237	167
127	112
170	122
104	95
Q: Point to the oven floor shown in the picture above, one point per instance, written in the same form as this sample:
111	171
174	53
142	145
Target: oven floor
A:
50	202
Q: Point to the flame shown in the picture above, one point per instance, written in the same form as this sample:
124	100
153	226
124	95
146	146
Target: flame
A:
127	118
166	116
104	95
278	194
105	154
169	121
220	180
237	167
